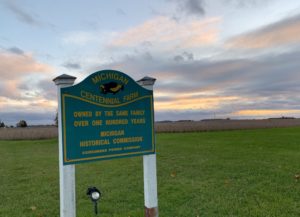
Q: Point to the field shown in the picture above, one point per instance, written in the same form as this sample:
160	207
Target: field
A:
237	173
28	133
160	127
223	124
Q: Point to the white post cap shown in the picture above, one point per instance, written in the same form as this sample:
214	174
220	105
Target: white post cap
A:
145	81
64	79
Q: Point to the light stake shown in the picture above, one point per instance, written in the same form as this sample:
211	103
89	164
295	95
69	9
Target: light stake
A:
94	195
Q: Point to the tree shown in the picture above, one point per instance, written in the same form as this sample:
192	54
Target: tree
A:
2	124
56	119
22	123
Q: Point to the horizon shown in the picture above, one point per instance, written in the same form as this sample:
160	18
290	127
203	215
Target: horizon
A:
162	121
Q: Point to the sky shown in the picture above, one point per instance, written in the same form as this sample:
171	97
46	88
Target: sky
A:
211	58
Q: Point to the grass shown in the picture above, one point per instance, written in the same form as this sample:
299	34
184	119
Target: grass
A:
247	173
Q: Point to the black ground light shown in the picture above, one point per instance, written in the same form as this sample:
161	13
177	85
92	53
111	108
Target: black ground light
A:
95	195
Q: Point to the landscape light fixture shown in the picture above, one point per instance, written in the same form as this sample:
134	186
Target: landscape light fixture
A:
94	195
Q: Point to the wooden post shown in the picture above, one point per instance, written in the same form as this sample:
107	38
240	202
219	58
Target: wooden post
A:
149	161
66	172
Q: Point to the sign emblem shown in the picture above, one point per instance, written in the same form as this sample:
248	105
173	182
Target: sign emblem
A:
111	87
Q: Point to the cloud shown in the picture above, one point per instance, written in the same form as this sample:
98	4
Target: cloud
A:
14	65
200	103
27	99
47	89
178	58
79	37
191	7
268	112
16	50
164	32
265	75
184	115
34	101
9	89
94	39
246	3
284	32
188	7
71	65
21	13
194	7
25	105
121	12
198	8
185	56
21	86
269	82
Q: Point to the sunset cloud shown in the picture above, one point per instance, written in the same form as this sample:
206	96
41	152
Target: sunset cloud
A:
9	105
20	85
13	66
165	31
10	89
267	112
34	112
283	32
199	103
204	87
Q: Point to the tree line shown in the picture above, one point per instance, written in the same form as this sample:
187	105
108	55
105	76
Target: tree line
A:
21	123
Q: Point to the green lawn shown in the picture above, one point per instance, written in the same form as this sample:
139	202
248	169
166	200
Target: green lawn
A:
248	173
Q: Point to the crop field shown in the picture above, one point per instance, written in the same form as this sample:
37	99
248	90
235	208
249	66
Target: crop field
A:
223	124
160	127
28	133
237	173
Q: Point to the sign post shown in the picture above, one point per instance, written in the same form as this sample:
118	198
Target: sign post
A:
149	164
106	116
66	172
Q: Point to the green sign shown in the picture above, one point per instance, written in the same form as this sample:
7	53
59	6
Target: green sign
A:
108	115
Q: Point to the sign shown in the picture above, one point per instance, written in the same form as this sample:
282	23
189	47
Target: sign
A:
107	115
